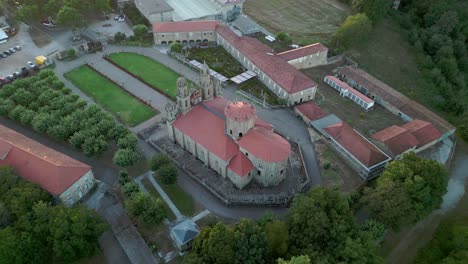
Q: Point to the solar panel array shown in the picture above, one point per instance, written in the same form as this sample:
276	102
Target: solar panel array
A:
212	73
243	77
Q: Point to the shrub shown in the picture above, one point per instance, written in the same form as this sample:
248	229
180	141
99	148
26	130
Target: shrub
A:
375	229
130	188
159	160
123	177
148	207
125	157
327	165
168	174
176	47
71	53
129	141
119	37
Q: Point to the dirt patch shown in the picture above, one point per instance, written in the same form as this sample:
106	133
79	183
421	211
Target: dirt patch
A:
39	38
335	172
303	19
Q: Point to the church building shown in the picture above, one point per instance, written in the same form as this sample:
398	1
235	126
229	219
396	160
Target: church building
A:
228	137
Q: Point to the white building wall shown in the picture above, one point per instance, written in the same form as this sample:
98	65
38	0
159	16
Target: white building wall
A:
267	173
310	61
238	181
79	189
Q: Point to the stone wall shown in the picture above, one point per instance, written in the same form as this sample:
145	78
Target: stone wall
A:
79	189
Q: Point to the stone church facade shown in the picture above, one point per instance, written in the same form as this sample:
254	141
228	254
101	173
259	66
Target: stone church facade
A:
227	137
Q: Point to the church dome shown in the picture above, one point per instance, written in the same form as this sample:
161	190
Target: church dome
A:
240	111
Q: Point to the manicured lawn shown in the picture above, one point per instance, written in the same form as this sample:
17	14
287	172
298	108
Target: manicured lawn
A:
148	70
127	108
181	199
150	188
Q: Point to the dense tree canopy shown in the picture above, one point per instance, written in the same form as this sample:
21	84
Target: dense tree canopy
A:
355	28
374	9
64	12
439	32
43	103
321	226
140	30
295	260
37	231
407	191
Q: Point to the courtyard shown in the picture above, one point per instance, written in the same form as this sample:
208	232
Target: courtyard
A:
305	20
217	59
148	70
367	123
113	98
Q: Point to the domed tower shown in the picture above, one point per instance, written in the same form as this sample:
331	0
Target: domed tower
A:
240	118
206	83
183	95
171	115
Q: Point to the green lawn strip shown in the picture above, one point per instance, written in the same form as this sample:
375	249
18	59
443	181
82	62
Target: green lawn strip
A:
148	70
124	106
150	188
181	199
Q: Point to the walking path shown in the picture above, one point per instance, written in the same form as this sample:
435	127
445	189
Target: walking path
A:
200	215
164	196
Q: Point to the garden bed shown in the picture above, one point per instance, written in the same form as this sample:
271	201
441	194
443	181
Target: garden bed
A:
112	97
152	73
259	90
217	59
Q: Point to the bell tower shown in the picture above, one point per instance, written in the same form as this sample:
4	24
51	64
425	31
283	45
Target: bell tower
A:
183	96
206	83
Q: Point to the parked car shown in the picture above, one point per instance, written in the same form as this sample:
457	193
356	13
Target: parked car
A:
3	55
17	74
7	52
24	71
12	50
49	24
31	65
18	48
10	77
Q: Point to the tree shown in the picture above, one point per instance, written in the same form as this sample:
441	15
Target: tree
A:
119	37
28	13
21	198
176	47
167	174
123	177
214	245
5	218
295	260
148	207
70	17
354	28
129	141
71	53
139	31
130	188
125	158
284	37
251	243
407	191
159	160
332	235
375	229
277	237
74	232
374	9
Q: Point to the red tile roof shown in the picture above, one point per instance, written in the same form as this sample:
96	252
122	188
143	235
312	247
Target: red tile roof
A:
279	70
240	165
355	144
396	139
302	51
266	145
239	111
207	128
395	98
260	122
424	131
311	111
52	170
185	26
350	89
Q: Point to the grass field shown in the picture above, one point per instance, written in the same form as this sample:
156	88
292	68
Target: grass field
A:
148	70
181	199
390	58
309	20
150	188
128	109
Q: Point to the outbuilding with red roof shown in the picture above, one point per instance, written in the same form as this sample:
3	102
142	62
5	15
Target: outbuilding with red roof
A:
57	173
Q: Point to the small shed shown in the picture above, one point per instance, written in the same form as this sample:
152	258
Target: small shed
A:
246	25
183	234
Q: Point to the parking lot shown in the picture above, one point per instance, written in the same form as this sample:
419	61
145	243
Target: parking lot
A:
28	52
